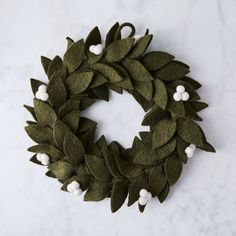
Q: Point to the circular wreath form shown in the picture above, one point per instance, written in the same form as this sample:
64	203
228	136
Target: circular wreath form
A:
66	141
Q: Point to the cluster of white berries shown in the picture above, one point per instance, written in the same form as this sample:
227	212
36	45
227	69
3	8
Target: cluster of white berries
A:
74	188
41	93
96	49
181	94
190	150
43	158
144	197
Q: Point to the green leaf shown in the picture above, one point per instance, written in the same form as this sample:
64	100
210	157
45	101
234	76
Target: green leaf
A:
208	147
70	42
160	95
145	88
163	194
98	167
196	85
35	84
86	124
146	138
50	150
156	60
40	134
190	132
117	50
135	187
100	92
31	111
97	81
59	132
157	180
44	113
173	169
69	106
87	136
118	194
57	91
143	157
35	161
141	46
190	112
181	146
72	120
93	38
98	190
45	63
86	102
198	106
54	66
110	37
79	82
172	71
163	132
137	70
108	71
73	149
74	56
61	169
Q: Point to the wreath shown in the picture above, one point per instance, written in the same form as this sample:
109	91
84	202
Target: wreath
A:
66	141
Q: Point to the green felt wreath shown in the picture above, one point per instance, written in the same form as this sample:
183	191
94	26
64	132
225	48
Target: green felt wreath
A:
154	162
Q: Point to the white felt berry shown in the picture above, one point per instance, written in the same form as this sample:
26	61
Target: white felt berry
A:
142	201
189	152
41	93
137	37
177	96
38	156
77	192
96	49
45	159
193	146
143	193
42	88
74	185
180	89
185	96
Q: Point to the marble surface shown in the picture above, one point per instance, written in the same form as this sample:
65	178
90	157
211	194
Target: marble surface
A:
199	32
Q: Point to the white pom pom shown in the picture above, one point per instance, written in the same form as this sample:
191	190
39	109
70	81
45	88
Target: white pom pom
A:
44	96
189	152
96	49
77	192
37	94
185	96
142	201
45	159
73	186
42	88
177	96
149	196
193	146
143	193
38	156
180	88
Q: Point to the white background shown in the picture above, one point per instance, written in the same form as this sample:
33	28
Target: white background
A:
201	33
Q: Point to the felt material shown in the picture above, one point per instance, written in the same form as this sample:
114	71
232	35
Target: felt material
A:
67	140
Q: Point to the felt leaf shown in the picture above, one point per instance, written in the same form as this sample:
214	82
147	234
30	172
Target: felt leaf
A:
98	190
115	88
108	71
79	82
143	157
74	56
59	132
31	111
45	63
101	92
69	106
160	95
190	112
190	132
181	146
86	124
44	113
208	147
145	88
141	208
50	150
94	150
61	169
163	194
93	38
172	71
35	161
86	102
73	149
87	137
35	85
137	70
157	180
56	90
70	42
196	85
72	119
50	174
141	46
40	134
118	194
117	50
198	106
135	187
97	81
146	138
173	169
163	151
154	116
54	65
110	37
155	60
163	132
98	167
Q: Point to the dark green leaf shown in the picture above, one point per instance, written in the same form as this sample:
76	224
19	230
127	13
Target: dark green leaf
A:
86	124
145	88
61	169
69	106
160	95
110	37
97	81
45	63
54	66
31	110
93	38
59	132
70	42
35	84
72	120
163	194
